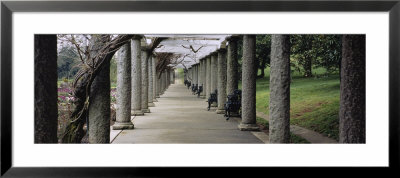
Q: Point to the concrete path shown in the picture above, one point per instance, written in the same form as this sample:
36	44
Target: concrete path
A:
180	117
309	135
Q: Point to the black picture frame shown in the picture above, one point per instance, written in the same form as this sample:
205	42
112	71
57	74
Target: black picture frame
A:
8	7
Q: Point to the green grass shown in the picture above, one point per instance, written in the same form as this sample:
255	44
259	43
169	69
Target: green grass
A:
180	74
297	139
314	102
293	138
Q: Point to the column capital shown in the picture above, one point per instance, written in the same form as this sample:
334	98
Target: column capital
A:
221	50
214	53
137	37
232	38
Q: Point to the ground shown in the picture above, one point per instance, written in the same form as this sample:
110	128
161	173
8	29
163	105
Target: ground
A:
314	104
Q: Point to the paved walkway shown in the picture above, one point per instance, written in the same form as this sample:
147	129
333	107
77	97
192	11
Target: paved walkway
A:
180	117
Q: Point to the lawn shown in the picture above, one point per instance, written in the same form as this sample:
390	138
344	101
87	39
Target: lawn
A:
314	102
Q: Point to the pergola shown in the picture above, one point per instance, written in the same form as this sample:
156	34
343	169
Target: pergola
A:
191	48
210	61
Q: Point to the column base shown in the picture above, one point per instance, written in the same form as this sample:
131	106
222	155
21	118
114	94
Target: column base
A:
123	125
220	111
248	127
137	113
155	100
151	105
146	110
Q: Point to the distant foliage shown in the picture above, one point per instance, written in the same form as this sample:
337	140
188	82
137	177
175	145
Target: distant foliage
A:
67	62
329	51
263	52
311	51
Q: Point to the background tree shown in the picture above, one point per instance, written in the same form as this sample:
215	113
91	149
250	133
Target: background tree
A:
302	52
310	51
67	62
90	67
328	49
263	52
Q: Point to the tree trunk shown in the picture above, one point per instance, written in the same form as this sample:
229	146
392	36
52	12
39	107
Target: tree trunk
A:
308	67
352	90
99	100
74	131
46	111
262	68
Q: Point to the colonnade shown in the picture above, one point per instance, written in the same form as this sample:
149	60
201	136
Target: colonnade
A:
136	68
139	85
219	71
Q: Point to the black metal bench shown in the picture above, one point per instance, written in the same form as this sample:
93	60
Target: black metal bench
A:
233	104
213	98
200	89
188	84
194	88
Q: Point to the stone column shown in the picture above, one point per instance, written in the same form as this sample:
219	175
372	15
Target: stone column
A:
194	74
151	86
232	66
279	104
203	78
191	75
249	84
158	85
45	105
208	77
160	90
221	81
192	71
154	75
136	98
99	100
164	82
214	74
198	73
173	76
123	113
145	81
167	78
352	90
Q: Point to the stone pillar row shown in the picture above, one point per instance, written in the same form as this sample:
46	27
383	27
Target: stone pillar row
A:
138	84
